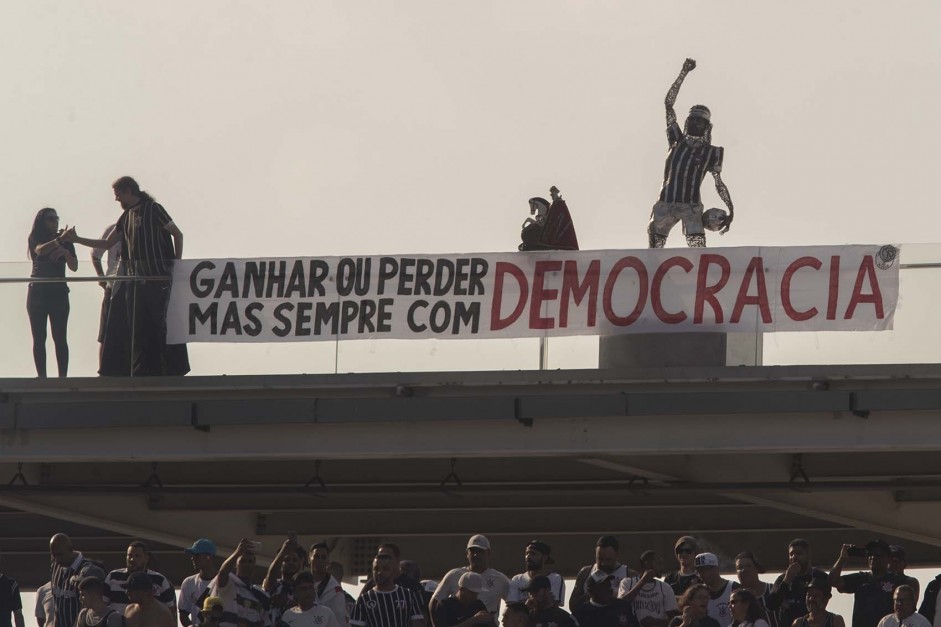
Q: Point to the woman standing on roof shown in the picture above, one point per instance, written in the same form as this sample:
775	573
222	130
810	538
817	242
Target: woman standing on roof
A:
49	300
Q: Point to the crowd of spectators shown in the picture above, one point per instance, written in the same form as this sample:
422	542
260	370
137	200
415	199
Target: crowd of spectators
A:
303	588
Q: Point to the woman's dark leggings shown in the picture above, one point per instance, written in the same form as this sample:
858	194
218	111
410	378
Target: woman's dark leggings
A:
43	303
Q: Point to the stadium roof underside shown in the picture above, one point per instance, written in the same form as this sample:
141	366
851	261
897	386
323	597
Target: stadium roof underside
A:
746	457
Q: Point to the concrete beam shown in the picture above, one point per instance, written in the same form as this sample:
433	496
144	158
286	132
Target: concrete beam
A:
834	432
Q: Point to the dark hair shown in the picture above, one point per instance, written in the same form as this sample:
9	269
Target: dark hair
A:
394	548
128	184
804	544
411	569
151	560
94	584
646	558
517	607
40	233
608	541
754	609
319	545
748	555
302	555
304	576
687	596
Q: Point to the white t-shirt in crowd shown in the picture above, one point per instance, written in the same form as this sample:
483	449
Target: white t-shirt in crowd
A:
619	573
317	616
191	589
915	620
655	599
719	606
496	587
44	603
520	581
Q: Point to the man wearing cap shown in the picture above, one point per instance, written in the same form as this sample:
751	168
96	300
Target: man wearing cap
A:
898	563
544	610
307	613
685	550
904	614
211	613
537	559
606	560
67	568
95	612
872	590
464	609
817	596
691	156
653	600
720	590
496	584
387	605
602	609
787	599
144	610
202	554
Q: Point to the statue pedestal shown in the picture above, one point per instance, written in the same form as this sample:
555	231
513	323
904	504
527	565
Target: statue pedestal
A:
656	350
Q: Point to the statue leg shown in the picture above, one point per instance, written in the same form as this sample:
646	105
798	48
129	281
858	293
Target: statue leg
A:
696	241
654	240
661	221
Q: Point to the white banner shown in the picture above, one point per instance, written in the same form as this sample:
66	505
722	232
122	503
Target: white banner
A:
535	294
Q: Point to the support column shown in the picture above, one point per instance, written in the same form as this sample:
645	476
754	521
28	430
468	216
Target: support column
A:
657	350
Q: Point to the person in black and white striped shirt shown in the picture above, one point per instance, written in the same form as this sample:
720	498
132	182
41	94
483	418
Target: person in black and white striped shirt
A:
691	156
151	243
138	558
387	605
67	569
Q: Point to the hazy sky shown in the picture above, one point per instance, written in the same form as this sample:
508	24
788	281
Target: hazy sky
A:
335	128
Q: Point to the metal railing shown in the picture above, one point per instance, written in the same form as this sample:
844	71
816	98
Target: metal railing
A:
915	338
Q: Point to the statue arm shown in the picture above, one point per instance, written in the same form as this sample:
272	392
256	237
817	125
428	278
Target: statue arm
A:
723	192
688	66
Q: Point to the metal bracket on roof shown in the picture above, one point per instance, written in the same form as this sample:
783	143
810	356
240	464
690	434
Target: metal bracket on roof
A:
526	422
316	478
153	481
798	472
452	476
854	407
194	419
19	477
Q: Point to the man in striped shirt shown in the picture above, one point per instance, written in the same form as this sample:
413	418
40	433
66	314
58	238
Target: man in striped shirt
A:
387	605
138	557
243	604
67	569
691	156
152	242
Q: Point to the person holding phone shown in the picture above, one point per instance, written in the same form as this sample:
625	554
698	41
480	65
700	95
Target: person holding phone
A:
47	303
873	589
